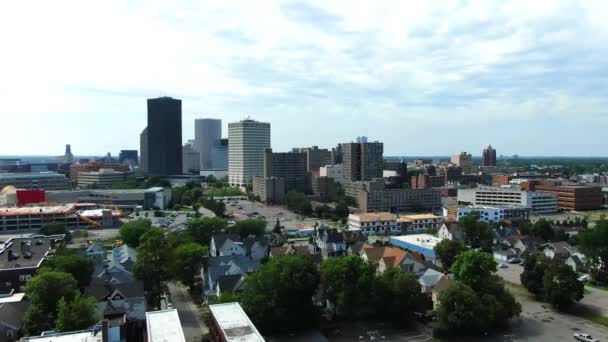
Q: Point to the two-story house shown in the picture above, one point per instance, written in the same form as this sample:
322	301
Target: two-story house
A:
226	244
330	242
450	231
256	248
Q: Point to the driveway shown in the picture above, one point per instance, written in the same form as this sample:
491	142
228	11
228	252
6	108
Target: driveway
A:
189	314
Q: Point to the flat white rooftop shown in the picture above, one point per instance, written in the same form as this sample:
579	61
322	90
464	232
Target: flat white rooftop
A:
423	240
164	326
79	336
234	322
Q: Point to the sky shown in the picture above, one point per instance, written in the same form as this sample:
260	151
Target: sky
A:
424	77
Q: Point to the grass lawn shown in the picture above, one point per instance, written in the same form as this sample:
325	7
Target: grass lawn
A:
589	314
603	288
594	215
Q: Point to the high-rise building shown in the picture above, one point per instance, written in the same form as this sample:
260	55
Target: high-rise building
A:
191	159
362	161
68	157
247	141
489	156
143	150
206	133
290	166
464	160
315	157
219	155
164	136
128	157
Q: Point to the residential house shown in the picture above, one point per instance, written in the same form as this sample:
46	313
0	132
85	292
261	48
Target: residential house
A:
227	265
12	310
329	242
225	245
383	258
289	249
429	279
357	247
256	247
502	232
441	285
124	256
450	231
233	283
126	318
524	244
95	251
504	254
576	262
559	250
570	230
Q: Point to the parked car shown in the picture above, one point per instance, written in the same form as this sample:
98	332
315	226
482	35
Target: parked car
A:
585	338
513	261
583	278
503	266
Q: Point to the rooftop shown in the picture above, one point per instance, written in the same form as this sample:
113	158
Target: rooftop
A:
77	336
83	209
26	175
423	240
372	217
413	217
26	252
164	326
234	323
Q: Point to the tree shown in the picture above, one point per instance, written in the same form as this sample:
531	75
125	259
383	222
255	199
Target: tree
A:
152	264
474	268
342	210
277	227
217	207
187	262
532	277
80	267
347	282
397	295
448	250
248	227
593	242
561	286
79	314
131	232
460	310
477	233
298	202
201	229
44	291
542	229
278	296
56	228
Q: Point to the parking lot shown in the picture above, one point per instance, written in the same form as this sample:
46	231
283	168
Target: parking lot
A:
245	209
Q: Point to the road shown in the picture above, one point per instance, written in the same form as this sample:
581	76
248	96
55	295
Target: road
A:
189	314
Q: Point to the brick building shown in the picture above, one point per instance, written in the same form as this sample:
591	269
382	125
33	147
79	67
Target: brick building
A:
569	196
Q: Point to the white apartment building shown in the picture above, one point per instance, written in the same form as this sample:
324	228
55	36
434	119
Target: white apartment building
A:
332	171
102	179
489	214
417	223
247	141
374	223
539	202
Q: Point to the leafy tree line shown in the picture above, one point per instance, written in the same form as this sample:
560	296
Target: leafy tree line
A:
192	194
142	184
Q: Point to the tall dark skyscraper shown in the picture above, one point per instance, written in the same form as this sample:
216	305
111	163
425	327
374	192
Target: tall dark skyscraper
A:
362	161
489	156
164	136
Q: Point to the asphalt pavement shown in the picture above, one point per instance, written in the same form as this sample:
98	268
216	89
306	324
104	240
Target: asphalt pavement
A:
189	314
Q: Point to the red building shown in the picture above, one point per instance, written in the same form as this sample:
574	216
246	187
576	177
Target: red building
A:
25	197
569	196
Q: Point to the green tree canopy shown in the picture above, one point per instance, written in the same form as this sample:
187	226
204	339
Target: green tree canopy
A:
80	267
278	297
79	314
298	202
543	230
448	250
477	233
532	277
347	283
55	228
201	229
561	286
474	268
460	311
248	227
187	262
397	295
152	265
131	232
593	242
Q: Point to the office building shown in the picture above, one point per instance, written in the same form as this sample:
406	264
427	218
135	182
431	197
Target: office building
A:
68	157
539	202
419	243
164	136
489	156
128	157
230	323
373	196
463	160
270	190
418	223
336	155
76	169
103	178
219	155
315	157
379	223
332	171
362	161
191	159
569	196
35	180
143	151
206	133
426	181
290	166
489	214
247	141
323	188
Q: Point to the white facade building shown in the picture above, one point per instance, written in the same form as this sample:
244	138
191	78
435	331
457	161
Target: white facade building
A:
247	141
374	223
206	133
490	214
540	202
417	223
332	171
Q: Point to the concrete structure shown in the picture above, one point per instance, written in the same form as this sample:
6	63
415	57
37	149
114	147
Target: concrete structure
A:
416	223
75	215
569	196
164	326
419	243
372	196
362	161
271	190
426	181
191	159
68	157
379	223
128	157
489	214
247	141
489	156
315	157
143	151
230	323
291	166
463	160
102	179
35	180
323	188
539	202
76	169
335	171
164	136
206	133
219	155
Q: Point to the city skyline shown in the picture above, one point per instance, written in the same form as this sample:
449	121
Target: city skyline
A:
425	79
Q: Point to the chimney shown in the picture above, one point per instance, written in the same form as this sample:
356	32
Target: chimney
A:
105	333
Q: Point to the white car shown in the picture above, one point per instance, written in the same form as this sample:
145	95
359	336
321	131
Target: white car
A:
585	338
503	266
583	278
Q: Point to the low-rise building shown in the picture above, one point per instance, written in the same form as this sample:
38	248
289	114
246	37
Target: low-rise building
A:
416	223
229	323
164	326
420	243
570	196
450	230
12	311
489	214
35	180
538	202
102	179
73	215
374	223
270	190
372	196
